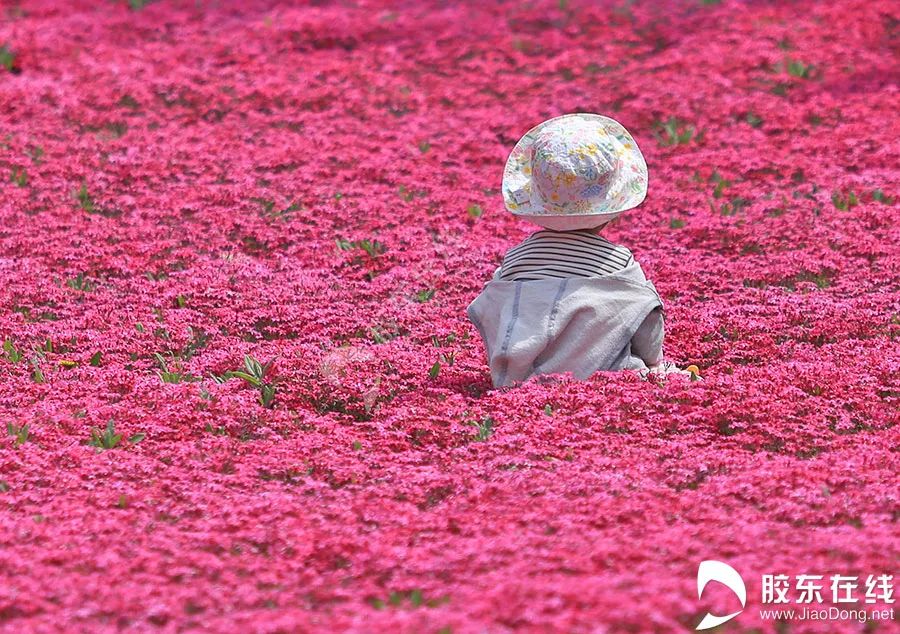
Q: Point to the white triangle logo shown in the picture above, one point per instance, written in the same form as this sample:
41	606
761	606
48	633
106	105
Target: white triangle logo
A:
711	570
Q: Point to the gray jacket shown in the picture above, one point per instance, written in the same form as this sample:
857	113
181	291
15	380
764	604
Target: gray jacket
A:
577	325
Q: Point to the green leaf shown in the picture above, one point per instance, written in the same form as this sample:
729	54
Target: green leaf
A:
373	248
253	367
84	199
96	359
485	428
221	378
81	283
252	380
435	370
753	120
136	438
796	68
674	132
844	202
267	395
425	295
107	439
7	58
12	353
721	184
19	176
20	434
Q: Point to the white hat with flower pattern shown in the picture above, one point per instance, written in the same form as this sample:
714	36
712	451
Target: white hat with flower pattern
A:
576	171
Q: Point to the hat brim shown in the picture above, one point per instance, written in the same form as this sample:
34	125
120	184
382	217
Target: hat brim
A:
627	190
571	222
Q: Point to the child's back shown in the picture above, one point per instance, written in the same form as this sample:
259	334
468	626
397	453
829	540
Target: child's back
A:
567	299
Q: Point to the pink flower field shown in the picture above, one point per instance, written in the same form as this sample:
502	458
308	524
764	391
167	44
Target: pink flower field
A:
239	389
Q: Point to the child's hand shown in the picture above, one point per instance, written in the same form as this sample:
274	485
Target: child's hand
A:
665	368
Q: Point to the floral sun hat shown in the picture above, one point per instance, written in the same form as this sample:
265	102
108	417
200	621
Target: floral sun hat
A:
576	171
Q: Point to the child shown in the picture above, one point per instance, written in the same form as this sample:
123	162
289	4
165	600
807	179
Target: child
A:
566	299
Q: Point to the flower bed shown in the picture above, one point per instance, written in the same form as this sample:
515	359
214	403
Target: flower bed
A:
239	387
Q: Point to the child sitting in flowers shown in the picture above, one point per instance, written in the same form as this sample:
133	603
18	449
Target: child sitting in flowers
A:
566	299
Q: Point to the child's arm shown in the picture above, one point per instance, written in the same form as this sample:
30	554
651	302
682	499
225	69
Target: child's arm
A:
648	339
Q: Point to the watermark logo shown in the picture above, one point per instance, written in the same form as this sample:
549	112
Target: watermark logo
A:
811	597
712	570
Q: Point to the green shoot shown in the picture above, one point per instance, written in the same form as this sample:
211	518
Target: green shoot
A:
373	248
109	439
7	58
81	283
19	176
256	375
424	295
12	354
20	433
674	132
106	439
844	202
484	428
